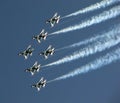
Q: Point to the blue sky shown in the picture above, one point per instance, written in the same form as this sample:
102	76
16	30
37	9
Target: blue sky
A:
19	21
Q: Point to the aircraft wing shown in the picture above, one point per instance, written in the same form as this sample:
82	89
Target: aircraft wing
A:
50	46
41	79
35	64
32	73
42	31
38	88
29	47
51	24
54	15
25	56
46	56
38	40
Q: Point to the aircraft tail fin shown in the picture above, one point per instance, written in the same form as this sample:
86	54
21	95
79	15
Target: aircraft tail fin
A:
58	19
38	67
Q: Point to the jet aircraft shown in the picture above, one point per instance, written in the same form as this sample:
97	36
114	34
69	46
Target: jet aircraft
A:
54	20
40	84
35	68
48	51
27	52
41	36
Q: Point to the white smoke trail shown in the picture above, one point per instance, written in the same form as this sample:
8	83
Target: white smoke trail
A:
92	39
102	61
112	13
96	6
110	40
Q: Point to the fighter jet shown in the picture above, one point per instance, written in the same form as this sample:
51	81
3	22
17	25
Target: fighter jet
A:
54	20
27	52
35	68
48	51
40	84
41	36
